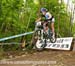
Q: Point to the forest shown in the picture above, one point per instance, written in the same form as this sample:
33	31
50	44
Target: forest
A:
18	16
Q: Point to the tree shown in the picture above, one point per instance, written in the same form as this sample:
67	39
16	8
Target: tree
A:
17	16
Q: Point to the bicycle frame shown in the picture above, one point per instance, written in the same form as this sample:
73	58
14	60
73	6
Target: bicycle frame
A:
43	35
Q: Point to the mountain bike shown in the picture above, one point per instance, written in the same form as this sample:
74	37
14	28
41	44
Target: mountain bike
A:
43	35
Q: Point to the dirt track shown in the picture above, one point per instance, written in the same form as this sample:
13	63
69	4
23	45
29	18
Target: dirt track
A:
59	58
62	58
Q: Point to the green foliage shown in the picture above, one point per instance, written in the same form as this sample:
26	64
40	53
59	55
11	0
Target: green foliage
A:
73	30
9	19
15	16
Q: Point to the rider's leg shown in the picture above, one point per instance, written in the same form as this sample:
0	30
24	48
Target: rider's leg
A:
52	27
46	27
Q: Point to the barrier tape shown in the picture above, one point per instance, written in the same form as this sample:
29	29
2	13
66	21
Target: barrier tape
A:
11	37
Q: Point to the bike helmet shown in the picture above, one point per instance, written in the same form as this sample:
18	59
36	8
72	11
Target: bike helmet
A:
43	9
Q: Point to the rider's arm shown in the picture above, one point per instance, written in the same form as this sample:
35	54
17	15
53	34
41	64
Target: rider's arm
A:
37	20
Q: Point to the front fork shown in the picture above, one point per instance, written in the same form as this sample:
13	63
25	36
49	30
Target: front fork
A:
40	34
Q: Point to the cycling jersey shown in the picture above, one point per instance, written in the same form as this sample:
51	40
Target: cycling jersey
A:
49	17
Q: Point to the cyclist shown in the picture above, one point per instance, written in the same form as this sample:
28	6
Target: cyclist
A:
48	18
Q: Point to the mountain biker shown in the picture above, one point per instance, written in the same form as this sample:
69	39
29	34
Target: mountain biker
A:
48	18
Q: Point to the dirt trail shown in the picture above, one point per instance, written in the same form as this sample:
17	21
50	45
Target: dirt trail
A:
62	58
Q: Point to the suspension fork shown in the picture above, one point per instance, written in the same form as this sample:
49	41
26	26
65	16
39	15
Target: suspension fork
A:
45	41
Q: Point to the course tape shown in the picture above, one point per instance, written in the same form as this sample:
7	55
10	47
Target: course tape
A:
15	36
